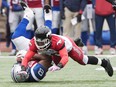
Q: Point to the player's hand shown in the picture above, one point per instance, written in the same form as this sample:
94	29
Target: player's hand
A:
47	8
54	68
62	15
23	68
79	18
24	75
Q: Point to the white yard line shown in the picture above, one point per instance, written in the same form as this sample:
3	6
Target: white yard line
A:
101	69
7	56
101	56
104	56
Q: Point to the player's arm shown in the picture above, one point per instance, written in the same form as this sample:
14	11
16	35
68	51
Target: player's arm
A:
27	58
64	57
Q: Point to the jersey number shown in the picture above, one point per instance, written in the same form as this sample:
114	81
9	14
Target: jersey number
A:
41	72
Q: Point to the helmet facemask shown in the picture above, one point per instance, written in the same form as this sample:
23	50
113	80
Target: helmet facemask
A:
42	40
42	44
16	75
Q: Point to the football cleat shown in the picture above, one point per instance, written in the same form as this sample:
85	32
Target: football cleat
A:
108	68
79	42
47	13
47	8
23	5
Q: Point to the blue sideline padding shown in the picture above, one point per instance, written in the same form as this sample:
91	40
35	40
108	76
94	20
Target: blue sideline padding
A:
105	38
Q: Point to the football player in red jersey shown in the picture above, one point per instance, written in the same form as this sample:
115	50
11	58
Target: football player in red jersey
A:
60	48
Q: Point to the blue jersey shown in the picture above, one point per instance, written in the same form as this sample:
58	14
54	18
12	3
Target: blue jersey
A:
36	73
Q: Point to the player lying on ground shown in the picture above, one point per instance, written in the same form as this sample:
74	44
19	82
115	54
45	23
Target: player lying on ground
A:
60	48
36	71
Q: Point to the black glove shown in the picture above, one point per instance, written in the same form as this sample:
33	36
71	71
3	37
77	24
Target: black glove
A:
23	5
79	18
62	15
47	8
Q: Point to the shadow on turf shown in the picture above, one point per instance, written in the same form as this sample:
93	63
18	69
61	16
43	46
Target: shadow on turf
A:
72	81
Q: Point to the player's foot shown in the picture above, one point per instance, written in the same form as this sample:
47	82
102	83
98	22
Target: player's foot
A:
85	50
112	51
47	8
98	51
13	52
79	42
108	68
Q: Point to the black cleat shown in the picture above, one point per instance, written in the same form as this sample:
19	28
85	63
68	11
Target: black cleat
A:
108	68
23	5
47	8
79	42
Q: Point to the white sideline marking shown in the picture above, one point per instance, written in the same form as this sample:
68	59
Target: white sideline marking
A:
107	56
7	56
101	68
102	56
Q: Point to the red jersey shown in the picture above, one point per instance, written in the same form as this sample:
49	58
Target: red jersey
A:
63	47
34	3
55	3
102	7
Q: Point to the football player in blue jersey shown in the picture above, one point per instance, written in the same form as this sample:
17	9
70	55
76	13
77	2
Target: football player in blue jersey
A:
36	71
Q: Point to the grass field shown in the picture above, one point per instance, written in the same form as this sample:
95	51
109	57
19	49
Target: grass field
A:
73	75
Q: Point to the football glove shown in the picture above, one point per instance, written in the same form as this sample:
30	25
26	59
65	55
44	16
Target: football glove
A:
23	5
79	18
54	68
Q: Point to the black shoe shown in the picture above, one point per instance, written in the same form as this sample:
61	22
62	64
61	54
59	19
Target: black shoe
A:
23	5
108	68
79	42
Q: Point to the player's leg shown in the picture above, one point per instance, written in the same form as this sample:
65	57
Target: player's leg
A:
77	55
39	16
22	32
55	21
20	44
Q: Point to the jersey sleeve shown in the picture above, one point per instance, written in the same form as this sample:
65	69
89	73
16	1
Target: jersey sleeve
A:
59	44
64	56
32	46
27	58
30	53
